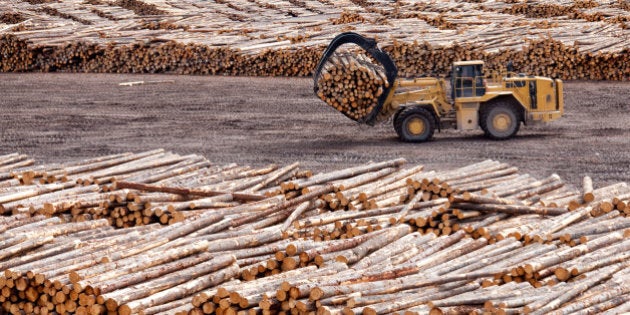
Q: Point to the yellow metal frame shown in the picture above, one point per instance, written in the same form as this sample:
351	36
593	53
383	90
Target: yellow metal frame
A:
432	92
419	91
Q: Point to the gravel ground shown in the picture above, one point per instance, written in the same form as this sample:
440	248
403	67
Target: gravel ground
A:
58	117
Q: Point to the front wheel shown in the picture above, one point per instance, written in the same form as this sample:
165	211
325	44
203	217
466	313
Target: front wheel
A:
500	121
414	124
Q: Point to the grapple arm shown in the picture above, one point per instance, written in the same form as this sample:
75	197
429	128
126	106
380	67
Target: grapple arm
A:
370	46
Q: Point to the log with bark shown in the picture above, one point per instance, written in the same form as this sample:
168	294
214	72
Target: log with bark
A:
352	84
427	244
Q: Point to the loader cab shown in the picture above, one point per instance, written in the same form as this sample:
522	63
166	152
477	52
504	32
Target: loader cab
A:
467	79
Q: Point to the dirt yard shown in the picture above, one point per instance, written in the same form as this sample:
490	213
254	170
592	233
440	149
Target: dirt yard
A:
256	121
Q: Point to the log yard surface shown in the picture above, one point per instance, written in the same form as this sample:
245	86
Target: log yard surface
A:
257	121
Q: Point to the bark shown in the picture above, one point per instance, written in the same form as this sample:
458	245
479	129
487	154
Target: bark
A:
181	290
185	191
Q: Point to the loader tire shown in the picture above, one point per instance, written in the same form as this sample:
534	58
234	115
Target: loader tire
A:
500	120
414	124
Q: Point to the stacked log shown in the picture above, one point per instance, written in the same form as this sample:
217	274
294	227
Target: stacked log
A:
15	52
278	294
519	245
352	84
140	7
11	18
340	230
285	260
411	58
576	10
71	188
348	17
589	41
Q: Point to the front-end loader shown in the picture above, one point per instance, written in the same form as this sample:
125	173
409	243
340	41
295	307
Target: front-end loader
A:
496	102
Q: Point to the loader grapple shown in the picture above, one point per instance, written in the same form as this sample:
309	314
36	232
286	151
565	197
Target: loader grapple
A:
355	77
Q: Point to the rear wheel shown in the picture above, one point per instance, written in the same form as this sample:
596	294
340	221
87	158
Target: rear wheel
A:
414	124
500	120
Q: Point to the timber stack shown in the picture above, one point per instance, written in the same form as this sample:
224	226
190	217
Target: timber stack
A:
479	238
352	84
339	230
569	40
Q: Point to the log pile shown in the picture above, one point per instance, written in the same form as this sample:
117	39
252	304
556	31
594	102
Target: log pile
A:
139	7
11	18
568	39
85	189
578	10
479	238
340	230
281	261
348	17
15	54
351	83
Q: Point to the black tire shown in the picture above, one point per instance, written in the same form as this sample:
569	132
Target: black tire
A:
500	120
395	119
414	124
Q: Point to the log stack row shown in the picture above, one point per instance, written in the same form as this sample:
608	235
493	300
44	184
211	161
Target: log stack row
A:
545	57
15	54
86	189
11	18
576	10
281	261
340	230
508	242
569	40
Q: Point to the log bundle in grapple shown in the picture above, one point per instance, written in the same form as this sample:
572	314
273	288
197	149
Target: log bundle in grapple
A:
479	238
351	83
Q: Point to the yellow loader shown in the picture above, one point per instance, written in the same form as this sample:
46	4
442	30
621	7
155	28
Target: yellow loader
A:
497	102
